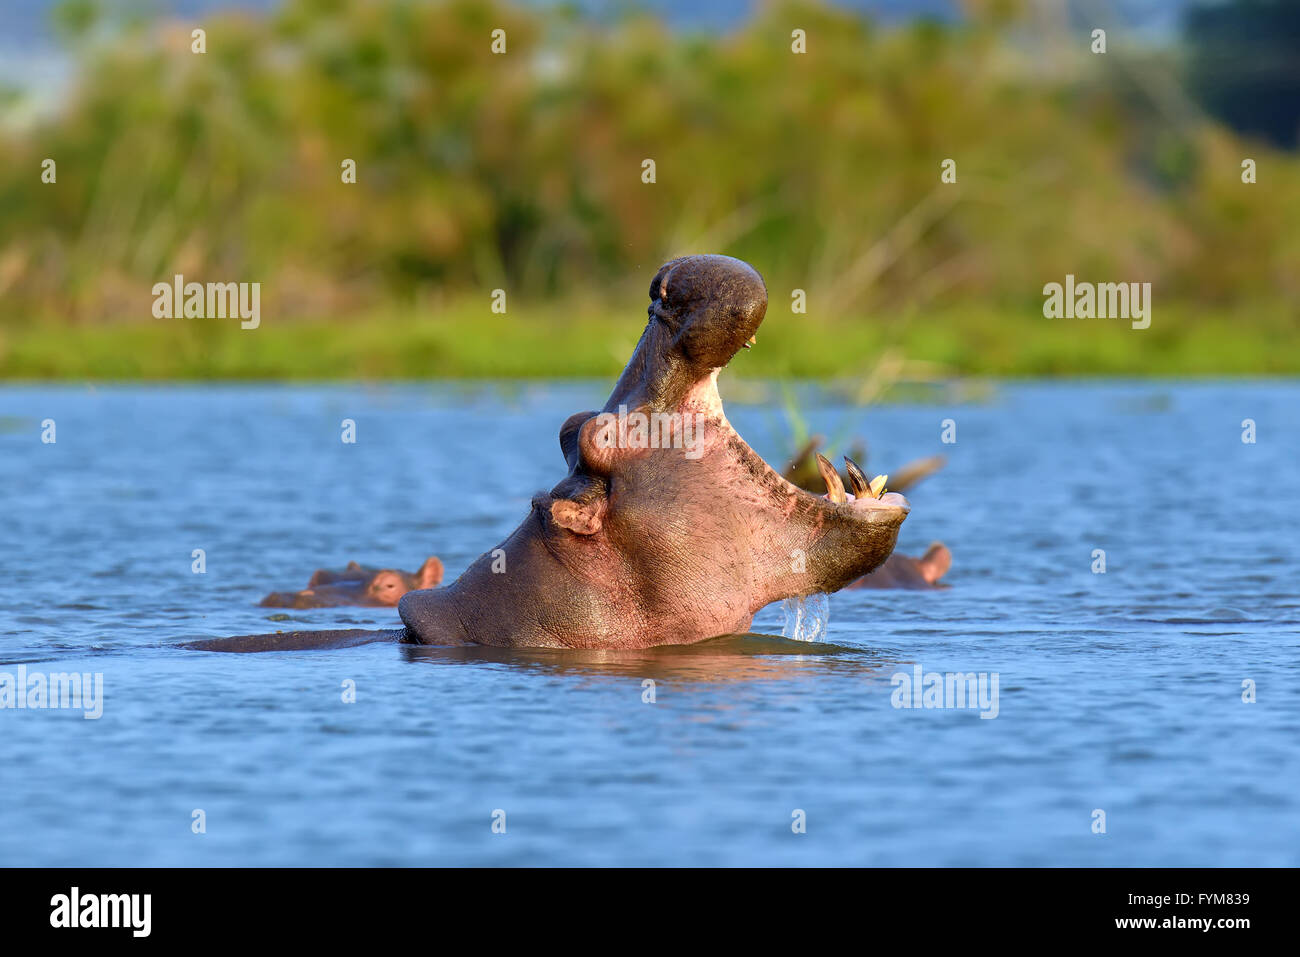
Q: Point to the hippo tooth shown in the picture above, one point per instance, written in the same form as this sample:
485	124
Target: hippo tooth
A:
878	485
834	487
857	478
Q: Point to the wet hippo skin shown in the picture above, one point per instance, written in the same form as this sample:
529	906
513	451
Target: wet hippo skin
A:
670	534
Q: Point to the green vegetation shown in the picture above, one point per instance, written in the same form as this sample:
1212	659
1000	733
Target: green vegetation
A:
523	172
469	342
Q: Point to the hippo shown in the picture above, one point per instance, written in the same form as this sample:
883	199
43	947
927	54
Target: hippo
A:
904	571
357	585
667	528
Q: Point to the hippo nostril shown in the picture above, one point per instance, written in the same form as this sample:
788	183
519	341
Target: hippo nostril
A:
716	302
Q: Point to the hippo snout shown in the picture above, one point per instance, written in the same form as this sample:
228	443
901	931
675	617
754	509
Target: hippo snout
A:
713	305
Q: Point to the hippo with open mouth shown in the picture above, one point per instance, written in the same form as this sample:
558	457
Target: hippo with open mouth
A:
669	532
668	529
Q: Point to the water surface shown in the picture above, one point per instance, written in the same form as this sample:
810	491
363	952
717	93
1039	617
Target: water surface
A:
1119	691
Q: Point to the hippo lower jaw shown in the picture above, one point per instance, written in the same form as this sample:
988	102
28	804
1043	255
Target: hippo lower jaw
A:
843	537
671	541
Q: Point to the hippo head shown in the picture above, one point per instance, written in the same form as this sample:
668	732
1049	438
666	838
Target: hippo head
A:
357	585
668	528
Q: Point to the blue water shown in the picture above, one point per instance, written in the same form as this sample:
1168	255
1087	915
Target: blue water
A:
1119	692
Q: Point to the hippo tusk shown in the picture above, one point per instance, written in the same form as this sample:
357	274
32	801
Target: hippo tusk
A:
857	478
834	486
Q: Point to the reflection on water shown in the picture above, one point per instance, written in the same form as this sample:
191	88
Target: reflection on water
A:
1122	691
731	658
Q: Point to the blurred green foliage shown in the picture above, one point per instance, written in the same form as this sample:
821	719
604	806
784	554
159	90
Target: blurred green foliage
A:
523	171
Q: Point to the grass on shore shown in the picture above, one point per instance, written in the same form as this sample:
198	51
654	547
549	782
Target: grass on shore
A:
470	342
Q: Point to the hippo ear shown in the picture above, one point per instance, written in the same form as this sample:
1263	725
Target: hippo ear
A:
591	439
581	518
430	573
569	436
935	562
599	448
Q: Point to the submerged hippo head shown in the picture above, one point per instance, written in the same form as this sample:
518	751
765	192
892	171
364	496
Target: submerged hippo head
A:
356	585
668	528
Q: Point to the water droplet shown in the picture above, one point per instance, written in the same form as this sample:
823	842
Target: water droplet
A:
807	618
